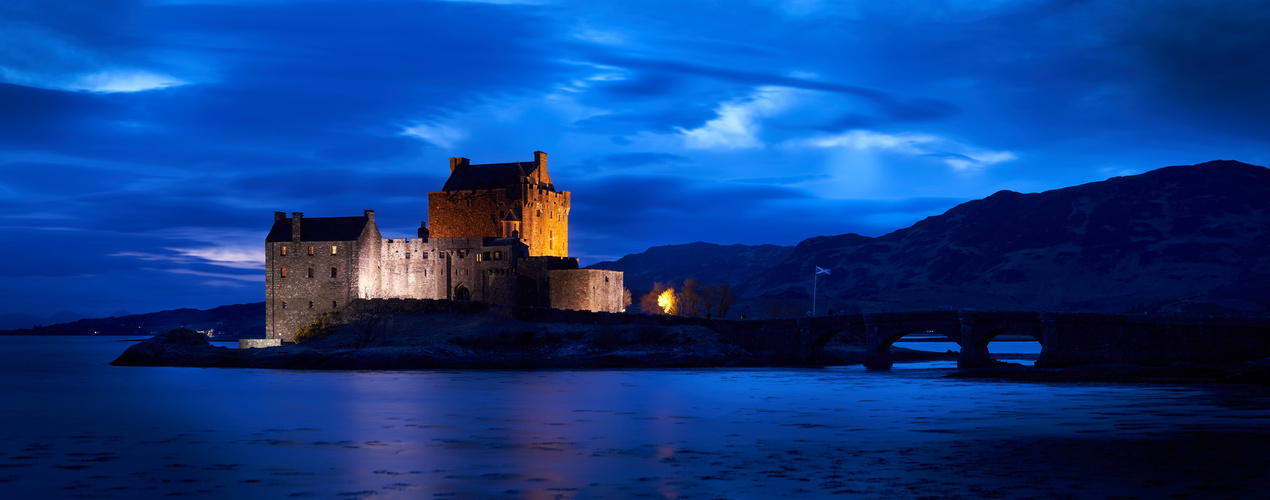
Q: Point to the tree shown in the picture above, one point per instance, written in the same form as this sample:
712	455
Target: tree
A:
661	300
690	299
371	319
626	299
726	299
709	300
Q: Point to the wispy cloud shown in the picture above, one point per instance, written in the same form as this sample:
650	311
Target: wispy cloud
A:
960	157
441	136
739	122
111	81
239	277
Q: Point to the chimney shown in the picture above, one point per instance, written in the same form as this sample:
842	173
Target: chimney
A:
457	164
423	230
279	217
370	214
540	159
295	225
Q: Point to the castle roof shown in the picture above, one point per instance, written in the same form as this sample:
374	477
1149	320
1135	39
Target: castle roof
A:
488	176
320	229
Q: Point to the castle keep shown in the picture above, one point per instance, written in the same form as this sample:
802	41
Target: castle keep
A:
499	233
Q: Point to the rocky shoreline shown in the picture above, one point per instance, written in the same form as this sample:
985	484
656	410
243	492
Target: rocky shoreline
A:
552	346
559	346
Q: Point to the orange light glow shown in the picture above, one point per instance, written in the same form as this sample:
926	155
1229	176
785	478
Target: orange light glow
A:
667	301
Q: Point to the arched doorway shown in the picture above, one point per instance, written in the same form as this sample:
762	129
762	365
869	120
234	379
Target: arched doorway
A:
462	293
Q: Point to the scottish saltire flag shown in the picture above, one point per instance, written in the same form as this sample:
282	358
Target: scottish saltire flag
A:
821	271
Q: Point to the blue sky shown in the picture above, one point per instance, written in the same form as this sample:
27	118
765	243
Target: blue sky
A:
144	145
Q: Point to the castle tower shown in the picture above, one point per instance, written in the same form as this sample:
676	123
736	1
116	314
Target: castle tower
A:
477	200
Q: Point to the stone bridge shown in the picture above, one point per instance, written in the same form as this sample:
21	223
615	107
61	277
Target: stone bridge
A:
1066	338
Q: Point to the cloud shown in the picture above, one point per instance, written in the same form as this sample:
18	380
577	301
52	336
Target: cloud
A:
240	277
109	81
441	136
739	122
960	157
236	257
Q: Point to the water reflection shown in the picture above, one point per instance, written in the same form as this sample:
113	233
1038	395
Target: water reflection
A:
87	429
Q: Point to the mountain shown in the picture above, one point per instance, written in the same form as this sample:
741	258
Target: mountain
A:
239	320
9	321
705	262
1186	239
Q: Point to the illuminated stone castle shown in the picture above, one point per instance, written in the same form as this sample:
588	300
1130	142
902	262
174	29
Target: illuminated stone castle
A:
499	234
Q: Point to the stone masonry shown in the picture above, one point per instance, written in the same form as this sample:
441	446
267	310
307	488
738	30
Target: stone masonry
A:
499	234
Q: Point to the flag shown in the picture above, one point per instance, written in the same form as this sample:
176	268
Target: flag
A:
821	271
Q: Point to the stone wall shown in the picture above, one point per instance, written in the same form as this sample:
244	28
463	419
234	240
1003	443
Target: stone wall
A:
258	343
302	284
545	222
407	268
462	214
586	290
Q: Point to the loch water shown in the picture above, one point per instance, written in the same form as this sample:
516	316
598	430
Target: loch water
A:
71	426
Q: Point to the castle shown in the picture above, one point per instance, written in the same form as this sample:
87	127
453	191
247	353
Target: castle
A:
499	233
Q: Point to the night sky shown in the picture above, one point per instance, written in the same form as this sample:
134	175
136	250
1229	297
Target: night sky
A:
144	146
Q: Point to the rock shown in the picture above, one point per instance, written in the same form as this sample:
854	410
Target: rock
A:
178	347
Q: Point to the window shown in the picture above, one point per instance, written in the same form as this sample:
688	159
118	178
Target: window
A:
310	304
606	279
551	241
334	249
284	250
539	213
479	257
284	304
462	254
333	272
424	255
407	255
310	250
283	274
498	255
335	305
485	256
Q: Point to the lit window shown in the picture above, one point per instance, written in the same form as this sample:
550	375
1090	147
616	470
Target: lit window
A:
284	250
479	257
333	271
498	255
310	272
283	274
310	250
334	249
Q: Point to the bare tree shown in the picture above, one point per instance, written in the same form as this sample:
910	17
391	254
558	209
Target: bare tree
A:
709	299
726	299
371	319
690	299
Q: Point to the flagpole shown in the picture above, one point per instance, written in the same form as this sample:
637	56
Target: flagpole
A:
814	278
